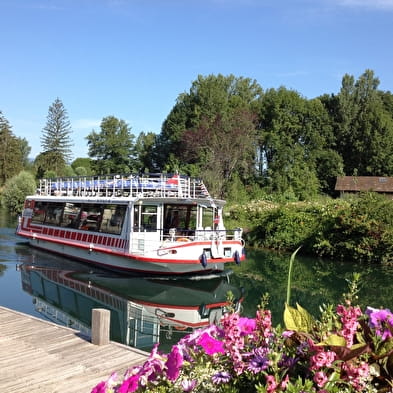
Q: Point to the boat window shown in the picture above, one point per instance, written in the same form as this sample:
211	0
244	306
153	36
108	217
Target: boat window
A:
39	213
71	215
112	218
145	218
90	217
181	217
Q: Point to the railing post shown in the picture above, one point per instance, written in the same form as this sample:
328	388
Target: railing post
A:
100	326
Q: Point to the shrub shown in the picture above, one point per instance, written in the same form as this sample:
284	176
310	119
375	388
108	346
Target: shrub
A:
16	189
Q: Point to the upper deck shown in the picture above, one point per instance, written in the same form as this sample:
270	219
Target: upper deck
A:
141	186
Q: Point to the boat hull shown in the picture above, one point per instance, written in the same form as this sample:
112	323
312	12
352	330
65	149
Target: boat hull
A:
110	259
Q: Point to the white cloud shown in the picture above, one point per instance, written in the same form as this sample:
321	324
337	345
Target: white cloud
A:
380	4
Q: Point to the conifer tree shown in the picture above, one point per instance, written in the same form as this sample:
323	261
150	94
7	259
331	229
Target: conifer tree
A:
55	140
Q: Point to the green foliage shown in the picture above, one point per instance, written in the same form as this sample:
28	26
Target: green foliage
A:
16	189
112	148
359	229
12	151
82	166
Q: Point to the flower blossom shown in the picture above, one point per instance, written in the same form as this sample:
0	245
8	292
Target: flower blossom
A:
210	344
349	319
174	363
221	377
382	321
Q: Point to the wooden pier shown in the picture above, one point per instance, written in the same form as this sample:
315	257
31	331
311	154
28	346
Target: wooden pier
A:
41	357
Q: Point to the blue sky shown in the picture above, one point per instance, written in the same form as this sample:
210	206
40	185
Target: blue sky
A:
132	58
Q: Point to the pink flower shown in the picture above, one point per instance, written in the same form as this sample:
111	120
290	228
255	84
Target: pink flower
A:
271	384
174	363
322	359
320	379
129	385
210	344
247	326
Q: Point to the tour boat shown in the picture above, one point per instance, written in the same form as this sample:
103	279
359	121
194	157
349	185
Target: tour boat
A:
151	223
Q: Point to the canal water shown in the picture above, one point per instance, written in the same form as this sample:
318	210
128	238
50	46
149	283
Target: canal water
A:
64	291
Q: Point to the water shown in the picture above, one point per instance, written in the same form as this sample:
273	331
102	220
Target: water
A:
145	310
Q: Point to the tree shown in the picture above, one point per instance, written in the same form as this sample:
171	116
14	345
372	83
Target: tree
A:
55	140
294	136
112	149
82	166
220	149
210	98
144	147
12	151
363	126
16	189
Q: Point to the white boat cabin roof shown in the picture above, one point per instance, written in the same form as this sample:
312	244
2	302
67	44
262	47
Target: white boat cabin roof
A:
169	187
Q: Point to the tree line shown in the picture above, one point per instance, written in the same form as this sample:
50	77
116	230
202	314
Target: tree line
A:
234	134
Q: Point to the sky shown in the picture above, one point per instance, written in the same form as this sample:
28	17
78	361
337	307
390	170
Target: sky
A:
132	58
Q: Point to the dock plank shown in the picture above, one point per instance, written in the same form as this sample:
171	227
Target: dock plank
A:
37	356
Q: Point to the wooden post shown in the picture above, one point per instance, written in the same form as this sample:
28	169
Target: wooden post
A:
100	324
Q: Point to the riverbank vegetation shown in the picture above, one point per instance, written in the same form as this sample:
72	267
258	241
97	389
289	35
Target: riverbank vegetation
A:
355	229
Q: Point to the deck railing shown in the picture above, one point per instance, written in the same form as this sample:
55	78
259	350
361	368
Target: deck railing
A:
143	186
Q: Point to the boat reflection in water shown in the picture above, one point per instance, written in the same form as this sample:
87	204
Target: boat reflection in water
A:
144	311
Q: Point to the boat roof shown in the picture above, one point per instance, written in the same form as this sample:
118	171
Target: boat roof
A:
125	188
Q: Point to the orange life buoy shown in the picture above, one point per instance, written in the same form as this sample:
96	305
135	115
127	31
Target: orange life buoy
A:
182	239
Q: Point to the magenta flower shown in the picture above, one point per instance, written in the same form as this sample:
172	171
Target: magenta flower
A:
174	363
129	385
100	388
210	344
247	325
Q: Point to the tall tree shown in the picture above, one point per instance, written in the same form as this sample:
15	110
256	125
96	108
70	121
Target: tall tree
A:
209	98
55	140
294	135
364	126
11	151
112	149
220	148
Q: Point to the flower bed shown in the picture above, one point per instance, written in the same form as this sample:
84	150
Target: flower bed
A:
346	350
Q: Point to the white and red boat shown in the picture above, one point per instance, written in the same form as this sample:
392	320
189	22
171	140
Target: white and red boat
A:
155	223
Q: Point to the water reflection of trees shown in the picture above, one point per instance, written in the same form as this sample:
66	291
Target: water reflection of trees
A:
314	282
3	268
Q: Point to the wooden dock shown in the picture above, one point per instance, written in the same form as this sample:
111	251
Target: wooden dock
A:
41	357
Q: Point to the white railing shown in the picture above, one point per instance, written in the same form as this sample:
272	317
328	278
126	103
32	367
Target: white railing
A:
147	185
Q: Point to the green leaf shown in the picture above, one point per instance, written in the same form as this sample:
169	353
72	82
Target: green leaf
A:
335	340
298	319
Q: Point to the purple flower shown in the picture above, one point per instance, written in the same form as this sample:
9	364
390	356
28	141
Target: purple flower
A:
210	344
221	377
174	363
258	363
381	320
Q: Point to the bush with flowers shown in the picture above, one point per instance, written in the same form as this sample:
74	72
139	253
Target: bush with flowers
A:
346	350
